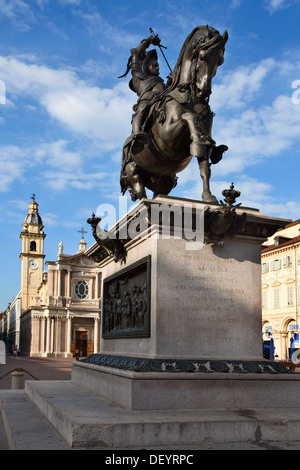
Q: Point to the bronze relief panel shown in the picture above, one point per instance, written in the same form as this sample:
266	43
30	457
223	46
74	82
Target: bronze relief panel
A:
126	302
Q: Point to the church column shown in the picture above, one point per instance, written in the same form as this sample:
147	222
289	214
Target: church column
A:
68	290
97	286
42	333
96	335
69	335
50	282
34	335
59	283
57	339
52	335
48	335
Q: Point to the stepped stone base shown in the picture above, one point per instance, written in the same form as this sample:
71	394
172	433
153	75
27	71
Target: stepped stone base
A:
85	420
239	411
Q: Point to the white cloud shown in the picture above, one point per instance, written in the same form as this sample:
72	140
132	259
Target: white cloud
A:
275	5
253	129
20	204
288	210
10	8
70	2
50	219
111	34
56	155
33	79
18	12
254	193
58	167
73	178
102	114
257	134
240	86
96	113
13	163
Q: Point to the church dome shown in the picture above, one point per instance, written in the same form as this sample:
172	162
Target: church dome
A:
33	219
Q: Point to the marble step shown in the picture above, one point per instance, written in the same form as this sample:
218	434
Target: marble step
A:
86	420
25	426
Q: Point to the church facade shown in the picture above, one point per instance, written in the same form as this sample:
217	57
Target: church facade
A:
57	312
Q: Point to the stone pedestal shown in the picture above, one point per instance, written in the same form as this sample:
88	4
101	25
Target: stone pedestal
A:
182	322
204	304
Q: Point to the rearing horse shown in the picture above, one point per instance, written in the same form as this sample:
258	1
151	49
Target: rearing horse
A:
179	122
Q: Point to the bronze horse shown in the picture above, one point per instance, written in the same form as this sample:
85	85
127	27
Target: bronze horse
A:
178	123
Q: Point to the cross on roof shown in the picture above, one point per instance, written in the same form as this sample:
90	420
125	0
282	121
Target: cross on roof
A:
82	231
33	197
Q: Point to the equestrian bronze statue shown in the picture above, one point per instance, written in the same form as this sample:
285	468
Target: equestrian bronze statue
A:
172	122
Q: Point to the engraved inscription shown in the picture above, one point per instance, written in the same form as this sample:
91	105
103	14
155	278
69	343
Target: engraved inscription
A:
212	300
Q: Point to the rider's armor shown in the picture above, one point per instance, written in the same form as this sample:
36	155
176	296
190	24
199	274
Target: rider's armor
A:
143	83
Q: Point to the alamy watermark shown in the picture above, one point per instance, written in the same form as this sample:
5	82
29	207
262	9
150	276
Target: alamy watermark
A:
296	356
154	220
296	94
2	92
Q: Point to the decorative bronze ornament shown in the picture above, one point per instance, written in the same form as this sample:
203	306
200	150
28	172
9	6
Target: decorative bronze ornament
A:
224	223
109	246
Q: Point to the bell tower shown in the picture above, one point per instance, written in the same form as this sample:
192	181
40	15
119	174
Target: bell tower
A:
32	256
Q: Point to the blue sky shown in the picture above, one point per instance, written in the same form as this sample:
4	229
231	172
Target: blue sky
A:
64	114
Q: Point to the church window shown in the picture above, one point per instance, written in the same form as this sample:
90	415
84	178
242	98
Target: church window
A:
81	289
32	246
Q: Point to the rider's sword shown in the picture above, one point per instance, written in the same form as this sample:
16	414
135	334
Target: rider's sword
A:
160	47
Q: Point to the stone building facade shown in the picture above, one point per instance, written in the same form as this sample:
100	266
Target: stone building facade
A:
281	292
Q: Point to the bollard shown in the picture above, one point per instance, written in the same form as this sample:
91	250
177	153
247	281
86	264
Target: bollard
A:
17	380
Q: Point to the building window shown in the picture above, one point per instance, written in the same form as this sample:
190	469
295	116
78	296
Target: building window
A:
288	261
265	267
290	295
264	299
276	264
81	289
276	298
32	246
